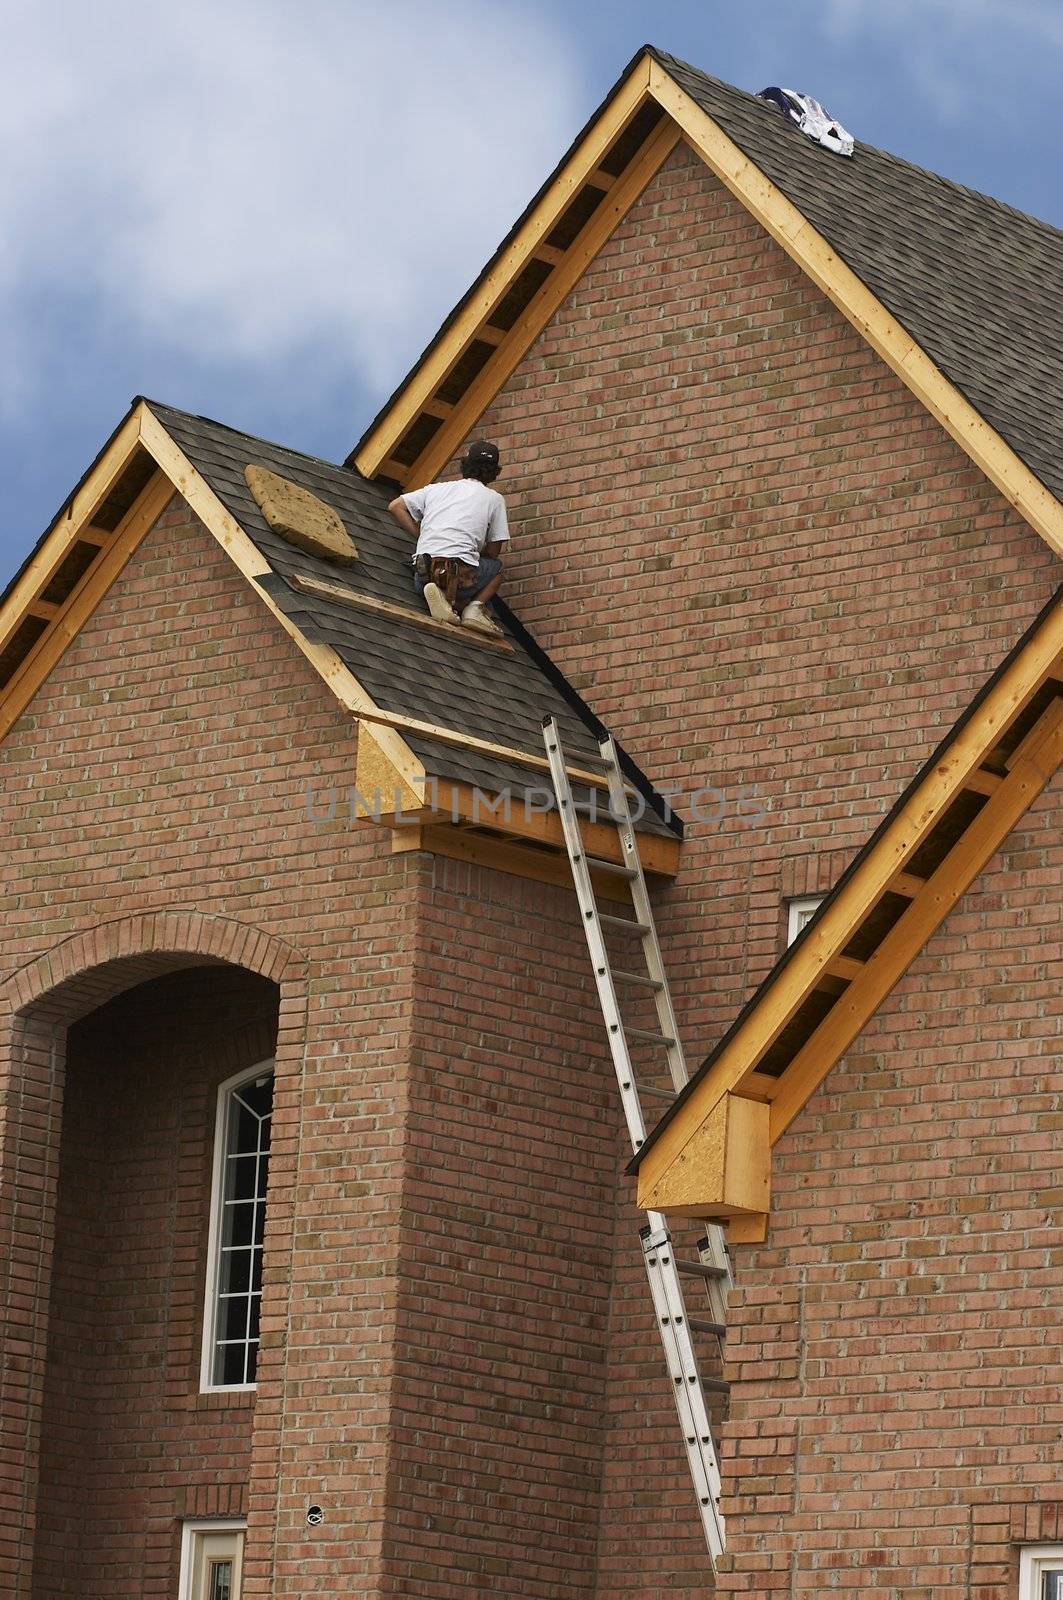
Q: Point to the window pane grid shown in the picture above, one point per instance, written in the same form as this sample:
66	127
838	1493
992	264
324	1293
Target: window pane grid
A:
242	1194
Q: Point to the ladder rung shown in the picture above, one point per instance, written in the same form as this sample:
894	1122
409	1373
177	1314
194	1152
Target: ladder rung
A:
624	922
635	977
598	865
697	1325
650	1036
698	1269
658	1094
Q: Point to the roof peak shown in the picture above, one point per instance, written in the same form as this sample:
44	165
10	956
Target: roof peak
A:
667	60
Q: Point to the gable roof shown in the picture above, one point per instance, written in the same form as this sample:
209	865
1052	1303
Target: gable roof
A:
961	294
944	828
456	710
976	283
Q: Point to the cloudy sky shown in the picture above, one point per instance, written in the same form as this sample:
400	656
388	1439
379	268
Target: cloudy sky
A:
261	211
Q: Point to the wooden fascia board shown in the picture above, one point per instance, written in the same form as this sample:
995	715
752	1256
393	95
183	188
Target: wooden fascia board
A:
810	250
69	618
250	561
737	1062
69	525
438	360
461	802
1029	772
530	324
452	809
501	855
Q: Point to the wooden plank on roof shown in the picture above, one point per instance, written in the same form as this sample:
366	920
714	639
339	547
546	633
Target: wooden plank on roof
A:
405	614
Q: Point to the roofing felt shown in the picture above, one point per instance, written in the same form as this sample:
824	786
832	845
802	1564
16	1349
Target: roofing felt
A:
976	283
437	676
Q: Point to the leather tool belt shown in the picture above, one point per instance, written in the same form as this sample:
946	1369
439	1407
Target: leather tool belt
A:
442	570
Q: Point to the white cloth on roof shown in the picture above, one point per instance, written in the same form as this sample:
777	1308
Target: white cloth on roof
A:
816	122
458	519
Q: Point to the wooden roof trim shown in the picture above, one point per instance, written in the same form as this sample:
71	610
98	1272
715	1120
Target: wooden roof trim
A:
72	524
957	768
529	325
64	622
1040	756
455	825
501	855
579	168
791	229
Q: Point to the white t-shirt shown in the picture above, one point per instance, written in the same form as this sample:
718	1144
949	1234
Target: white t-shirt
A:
457	519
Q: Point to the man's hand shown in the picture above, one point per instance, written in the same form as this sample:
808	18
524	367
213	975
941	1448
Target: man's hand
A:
401	512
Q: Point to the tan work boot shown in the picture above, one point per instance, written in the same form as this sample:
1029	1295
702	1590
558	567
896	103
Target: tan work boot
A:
474	616
438	604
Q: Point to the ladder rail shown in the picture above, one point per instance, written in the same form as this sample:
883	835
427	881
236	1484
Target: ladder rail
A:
588	905
662	1273
640	900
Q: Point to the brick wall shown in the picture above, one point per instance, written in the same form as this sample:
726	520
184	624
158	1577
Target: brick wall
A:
511	1179
765	565
154	800
916	1235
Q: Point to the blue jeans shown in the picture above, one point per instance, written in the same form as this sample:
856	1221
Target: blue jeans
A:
469	587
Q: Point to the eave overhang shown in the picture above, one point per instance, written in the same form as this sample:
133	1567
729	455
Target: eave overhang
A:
939	836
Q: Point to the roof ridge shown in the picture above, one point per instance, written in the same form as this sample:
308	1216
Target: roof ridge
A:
665	59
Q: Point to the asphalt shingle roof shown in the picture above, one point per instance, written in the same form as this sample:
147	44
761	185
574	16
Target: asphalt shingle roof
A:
976	283
439	677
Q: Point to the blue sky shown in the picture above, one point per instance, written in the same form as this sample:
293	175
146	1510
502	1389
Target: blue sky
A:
262	211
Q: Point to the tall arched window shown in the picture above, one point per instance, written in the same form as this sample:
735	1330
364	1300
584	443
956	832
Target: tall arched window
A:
237	1217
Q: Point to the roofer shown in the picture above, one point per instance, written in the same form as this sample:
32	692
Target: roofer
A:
461	529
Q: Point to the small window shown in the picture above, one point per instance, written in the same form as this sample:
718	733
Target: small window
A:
237	1217
212	1556
800	913
1041	1572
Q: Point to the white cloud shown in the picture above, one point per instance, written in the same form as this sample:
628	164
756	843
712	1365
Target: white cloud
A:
259	177
1041	18
953	48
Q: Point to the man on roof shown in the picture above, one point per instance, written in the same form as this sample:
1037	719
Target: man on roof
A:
461	529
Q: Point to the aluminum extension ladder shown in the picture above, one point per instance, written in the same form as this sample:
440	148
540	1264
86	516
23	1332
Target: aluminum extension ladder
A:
663	1270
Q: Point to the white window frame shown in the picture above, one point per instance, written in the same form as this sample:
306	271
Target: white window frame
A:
800	912
1034	1562
210	1293
190	1531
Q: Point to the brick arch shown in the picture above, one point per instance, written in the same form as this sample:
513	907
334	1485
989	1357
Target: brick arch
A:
91	967
38	1005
